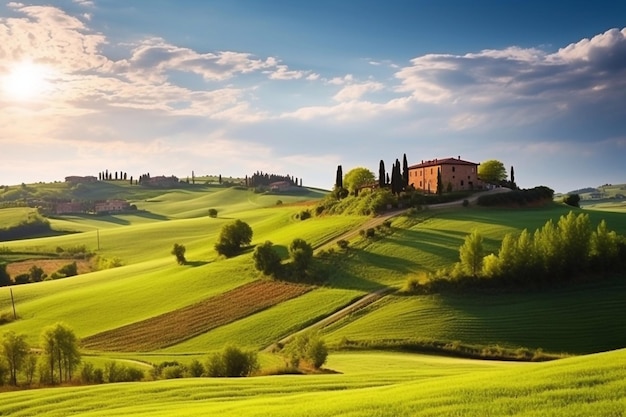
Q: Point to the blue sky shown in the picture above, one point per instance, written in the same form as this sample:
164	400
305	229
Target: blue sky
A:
291	87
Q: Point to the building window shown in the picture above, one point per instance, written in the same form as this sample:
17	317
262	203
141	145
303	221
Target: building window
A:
461	183
420	183
453	169
431	171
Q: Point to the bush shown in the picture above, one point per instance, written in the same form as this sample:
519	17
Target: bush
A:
212	213
343	244
232	362
572	200
68	270
195	369
309	348
115	372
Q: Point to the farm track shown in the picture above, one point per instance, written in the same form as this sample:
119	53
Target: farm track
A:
179	325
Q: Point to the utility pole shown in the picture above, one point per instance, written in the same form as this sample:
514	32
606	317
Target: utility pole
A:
13	304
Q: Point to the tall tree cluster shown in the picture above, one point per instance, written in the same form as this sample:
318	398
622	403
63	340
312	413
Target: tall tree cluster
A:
556	252
265	179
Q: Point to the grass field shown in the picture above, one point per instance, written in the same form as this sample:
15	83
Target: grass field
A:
581	319
371	384
150	292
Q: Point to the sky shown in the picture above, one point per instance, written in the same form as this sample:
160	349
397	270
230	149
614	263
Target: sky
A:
298	88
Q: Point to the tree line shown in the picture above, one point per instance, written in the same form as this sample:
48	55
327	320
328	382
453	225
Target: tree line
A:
556	252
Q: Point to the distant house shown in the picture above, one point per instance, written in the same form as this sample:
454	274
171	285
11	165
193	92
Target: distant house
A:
280	186
460	174
112	206
75	179
160	181
72	207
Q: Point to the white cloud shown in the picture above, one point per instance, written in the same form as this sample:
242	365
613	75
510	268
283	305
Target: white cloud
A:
356	91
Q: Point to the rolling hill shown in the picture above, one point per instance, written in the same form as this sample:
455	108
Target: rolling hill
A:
109	308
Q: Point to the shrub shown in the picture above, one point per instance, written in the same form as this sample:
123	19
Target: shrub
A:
213	213
232	362
572	200
305	214
466	203
370	232
195	369
343	244
279	202
68	270
307	347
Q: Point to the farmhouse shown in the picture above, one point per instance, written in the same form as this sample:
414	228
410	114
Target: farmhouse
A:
280	186
112	206
75	179
69	207
456	174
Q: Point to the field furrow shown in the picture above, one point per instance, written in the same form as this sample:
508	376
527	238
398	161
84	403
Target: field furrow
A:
176	326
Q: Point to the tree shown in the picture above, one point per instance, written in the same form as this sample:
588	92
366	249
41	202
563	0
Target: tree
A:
302	254
492	171
513	185
266	259
212	212
339	178
572	200
357	177
405	173
439	182
381	174
232	237
307	347
5	278
15	350
232	362
396	178
60	348
36	274
179	252
471	254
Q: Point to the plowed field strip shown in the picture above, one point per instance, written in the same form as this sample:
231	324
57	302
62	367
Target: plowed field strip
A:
176	326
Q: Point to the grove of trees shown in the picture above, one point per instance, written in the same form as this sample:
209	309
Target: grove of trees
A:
556	252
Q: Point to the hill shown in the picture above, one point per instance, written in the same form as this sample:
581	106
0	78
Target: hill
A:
149	292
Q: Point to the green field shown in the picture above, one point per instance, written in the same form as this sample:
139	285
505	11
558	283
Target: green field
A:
583	318
370	384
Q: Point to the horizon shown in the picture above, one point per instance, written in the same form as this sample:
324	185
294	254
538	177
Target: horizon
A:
298	89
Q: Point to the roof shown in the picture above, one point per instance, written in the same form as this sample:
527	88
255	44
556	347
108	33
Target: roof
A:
446	161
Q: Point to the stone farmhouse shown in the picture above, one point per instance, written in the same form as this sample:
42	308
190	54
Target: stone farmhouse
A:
112	206
460	174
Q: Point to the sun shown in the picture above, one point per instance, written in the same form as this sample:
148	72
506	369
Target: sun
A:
26	81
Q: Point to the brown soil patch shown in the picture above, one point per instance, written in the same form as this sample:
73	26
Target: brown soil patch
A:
48	265
177	326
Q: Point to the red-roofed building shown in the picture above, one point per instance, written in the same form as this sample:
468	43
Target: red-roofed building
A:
460	174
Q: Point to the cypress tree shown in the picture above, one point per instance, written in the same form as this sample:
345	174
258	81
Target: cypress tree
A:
405	173
439	183
381	174
339	179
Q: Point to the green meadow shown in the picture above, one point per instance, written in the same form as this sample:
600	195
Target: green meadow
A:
581	319
368	384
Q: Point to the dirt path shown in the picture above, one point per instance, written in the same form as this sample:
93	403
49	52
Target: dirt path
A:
377	295
336	316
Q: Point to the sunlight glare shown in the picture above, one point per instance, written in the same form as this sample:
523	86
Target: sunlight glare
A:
26	81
